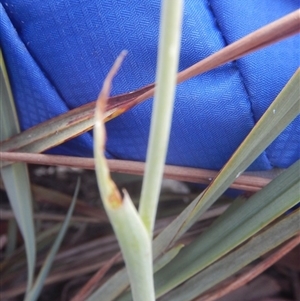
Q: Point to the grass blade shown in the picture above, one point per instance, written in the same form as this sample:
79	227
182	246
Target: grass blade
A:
239	223
15	177
265	131
168	59
16	261
63	127
167	257
130	231
278	116
253	272
233	262
38	285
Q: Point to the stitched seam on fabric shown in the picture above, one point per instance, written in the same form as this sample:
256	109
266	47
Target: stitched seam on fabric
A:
235	63
43	71
36	62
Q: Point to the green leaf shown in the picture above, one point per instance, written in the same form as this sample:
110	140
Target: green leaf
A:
130	231
233	262
278	116
38	285
237	225
168	58
167	257
15	177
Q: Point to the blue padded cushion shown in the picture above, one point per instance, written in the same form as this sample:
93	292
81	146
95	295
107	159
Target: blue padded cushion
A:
58	53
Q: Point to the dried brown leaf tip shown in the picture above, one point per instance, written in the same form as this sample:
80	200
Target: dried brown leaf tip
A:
103	97
104	94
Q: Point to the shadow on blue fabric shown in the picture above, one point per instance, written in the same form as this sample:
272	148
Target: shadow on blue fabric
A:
58	53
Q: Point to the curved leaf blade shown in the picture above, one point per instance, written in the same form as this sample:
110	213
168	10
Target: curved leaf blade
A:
38	285
15	177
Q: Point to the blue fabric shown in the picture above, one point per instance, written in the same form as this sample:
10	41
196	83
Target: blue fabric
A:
58	53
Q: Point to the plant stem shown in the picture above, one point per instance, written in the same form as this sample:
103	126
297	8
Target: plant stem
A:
168	57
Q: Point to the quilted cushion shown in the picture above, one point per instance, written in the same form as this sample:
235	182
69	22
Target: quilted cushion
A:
58	53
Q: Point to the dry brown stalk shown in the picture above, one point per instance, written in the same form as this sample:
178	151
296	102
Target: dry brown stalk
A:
46	195
86	289
245	181
8	214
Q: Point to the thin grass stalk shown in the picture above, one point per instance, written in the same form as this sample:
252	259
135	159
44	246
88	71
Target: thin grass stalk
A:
168	58
33	294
